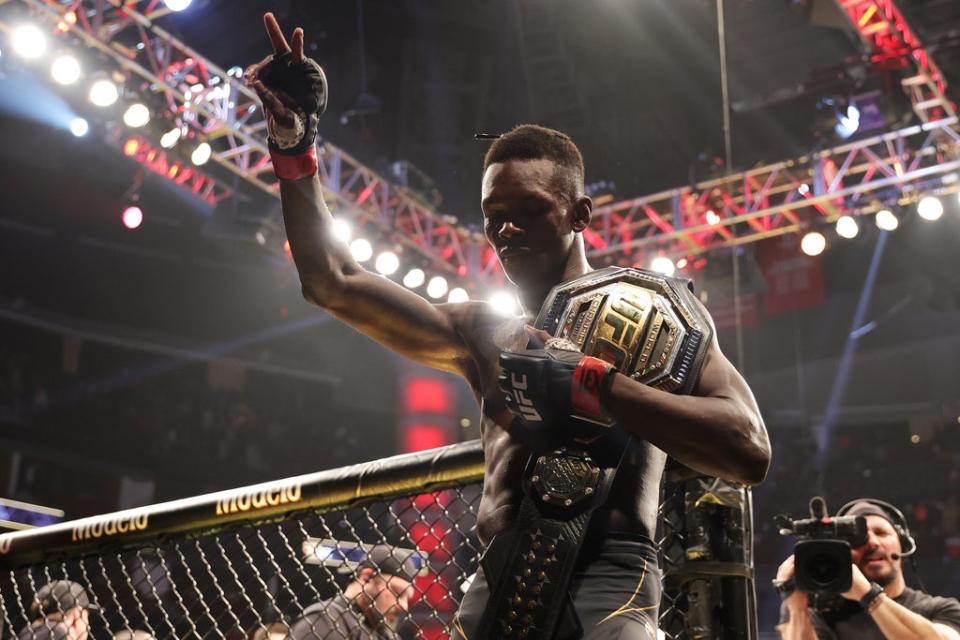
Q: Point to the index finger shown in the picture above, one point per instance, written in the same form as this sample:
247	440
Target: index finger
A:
279	42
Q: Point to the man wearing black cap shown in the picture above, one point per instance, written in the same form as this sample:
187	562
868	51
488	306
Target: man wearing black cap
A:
372	605
879	604
60	611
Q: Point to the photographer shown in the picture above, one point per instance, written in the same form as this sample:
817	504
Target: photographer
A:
878	604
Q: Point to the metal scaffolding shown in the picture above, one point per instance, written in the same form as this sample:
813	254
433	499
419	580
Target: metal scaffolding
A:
785	197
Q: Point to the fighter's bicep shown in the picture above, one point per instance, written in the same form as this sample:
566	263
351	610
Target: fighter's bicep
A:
402	321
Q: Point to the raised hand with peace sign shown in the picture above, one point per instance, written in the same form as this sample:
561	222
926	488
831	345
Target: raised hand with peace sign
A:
293	90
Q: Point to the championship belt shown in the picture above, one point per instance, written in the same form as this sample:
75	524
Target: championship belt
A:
651	328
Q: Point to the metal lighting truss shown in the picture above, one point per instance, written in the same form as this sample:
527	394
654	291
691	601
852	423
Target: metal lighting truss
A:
854	178
219	107
776	199
892	44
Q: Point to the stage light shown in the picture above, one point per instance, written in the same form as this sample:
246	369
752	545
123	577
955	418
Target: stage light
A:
260	237
177	5
847	227
29	42
170	138
65	69
414	278
341	230
886	220
682	263
437	287
848	121
136	115
104	93
930	208
201	154
132	217
813	243
79	127
504	303
664	265
361	250
458	294
712	217
387	263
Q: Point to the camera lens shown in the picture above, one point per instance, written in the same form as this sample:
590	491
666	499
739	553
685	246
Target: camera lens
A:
824	568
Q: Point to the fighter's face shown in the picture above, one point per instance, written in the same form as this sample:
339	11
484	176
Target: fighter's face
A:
527	219
875	558
390	596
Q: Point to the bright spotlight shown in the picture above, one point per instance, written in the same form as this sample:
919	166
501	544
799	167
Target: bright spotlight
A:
387	263
341	230
664	265
458	294
813	243
79	127
170	138
136	115
712	217
132	217
504	303
848	122
886	220
437	287
847	227
65	69
177	5
201	154
29	42
104	93
414	278
930	208
361	250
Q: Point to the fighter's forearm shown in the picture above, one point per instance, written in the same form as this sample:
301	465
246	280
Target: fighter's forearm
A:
717	436
322	261
899	623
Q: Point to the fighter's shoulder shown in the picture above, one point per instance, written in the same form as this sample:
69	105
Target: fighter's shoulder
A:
470	317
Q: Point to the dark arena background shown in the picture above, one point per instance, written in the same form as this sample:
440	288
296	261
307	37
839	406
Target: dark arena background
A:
798	159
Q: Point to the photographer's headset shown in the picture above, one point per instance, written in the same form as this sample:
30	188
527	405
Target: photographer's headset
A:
908	546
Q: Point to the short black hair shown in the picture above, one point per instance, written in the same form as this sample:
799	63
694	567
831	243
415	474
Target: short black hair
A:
533	142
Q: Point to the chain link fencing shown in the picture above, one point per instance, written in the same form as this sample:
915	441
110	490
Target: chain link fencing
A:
292	558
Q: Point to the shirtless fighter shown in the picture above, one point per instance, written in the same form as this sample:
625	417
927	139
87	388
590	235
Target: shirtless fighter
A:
534	210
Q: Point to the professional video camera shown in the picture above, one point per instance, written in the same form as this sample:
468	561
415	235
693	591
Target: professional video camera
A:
822	559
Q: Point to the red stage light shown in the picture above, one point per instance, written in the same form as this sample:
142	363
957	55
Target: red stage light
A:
132	217
427	395
421	437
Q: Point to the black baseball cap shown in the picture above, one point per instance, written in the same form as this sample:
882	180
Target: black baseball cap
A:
404	563
60	595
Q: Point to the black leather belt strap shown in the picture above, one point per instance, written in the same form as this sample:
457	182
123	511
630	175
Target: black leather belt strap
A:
529	566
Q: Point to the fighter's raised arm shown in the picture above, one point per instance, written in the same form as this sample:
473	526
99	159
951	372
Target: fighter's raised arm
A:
293	89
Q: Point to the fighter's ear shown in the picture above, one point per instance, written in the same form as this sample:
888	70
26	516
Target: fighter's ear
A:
581	213
365	574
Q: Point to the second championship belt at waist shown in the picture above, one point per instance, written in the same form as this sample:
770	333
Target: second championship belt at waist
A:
649	327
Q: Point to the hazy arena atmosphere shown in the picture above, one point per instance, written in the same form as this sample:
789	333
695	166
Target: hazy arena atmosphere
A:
479	319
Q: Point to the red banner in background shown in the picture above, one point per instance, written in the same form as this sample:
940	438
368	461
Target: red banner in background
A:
794	279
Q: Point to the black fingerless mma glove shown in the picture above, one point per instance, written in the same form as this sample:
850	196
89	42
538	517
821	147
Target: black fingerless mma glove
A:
545	387
305	84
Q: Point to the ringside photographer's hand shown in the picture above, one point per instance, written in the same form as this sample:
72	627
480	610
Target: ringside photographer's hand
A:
785	574
860	587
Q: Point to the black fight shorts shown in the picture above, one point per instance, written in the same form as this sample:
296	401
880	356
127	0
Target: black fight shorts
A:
615	593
